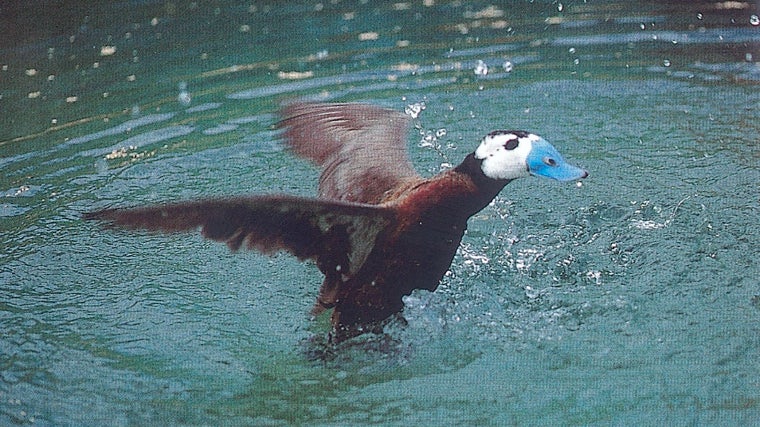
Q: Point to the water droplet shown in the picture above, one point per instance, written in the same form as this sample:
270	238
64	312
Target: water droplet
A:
699	16
666	63
571	50
107	50
748	57
440	133
754	20
508	66
369	36
184	97
481	68
414	110
560	6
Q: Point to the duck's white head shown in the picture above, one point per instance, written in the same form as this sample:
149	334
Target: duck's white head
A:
511	154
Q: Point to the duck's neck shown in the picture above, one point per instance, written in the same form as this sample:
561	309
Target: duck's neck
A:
484	189
453	196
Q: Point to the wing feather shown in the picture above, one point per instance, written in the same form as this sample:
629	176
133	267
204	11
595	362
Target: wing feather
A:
338	235
361	148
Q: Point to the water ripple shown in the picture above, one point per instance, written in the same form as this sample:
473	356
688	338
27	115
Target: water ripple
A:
127	126
707	36
143	139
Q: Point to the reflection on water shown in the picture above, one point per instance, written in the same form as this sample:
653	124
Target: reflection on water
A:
633	296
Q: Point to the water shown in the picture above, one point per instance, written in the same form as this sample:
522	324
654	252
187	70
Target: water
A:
631	299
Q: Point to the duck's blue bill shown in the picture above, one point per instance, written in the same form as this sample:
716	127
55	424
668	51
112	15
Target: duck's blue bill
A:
544	160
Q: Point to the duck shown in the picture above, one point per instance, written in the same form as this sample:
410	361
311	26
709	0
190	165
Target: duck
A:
377	229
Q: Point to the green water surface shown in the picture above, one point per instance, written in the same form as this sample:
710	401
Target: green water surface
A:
630	299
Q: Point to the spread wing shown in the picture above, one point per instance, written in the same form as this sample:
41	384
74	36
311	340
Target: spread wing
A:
361	148
338	235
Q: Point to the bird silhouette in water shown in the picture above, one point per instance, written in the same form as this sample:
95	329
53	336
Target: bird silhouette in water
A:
377	230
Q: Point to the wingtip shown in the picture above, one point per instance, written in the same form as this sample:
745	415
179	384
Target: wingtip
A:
105	218
99	215
290	108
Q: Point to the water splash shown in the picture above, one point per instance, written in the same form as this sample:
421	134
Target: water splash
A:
647	209
415	109
432	139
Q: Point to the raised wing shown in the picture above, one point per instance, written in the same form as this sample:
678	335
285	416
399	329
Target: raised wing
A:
338	235
361	148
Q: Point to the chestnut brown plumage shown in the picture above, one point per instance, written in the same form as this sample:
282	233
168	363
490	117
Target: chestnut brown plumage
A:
377	229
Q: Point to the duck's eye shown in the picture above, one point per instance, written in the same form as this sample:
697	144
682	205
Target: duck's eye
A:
549	161
512	144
